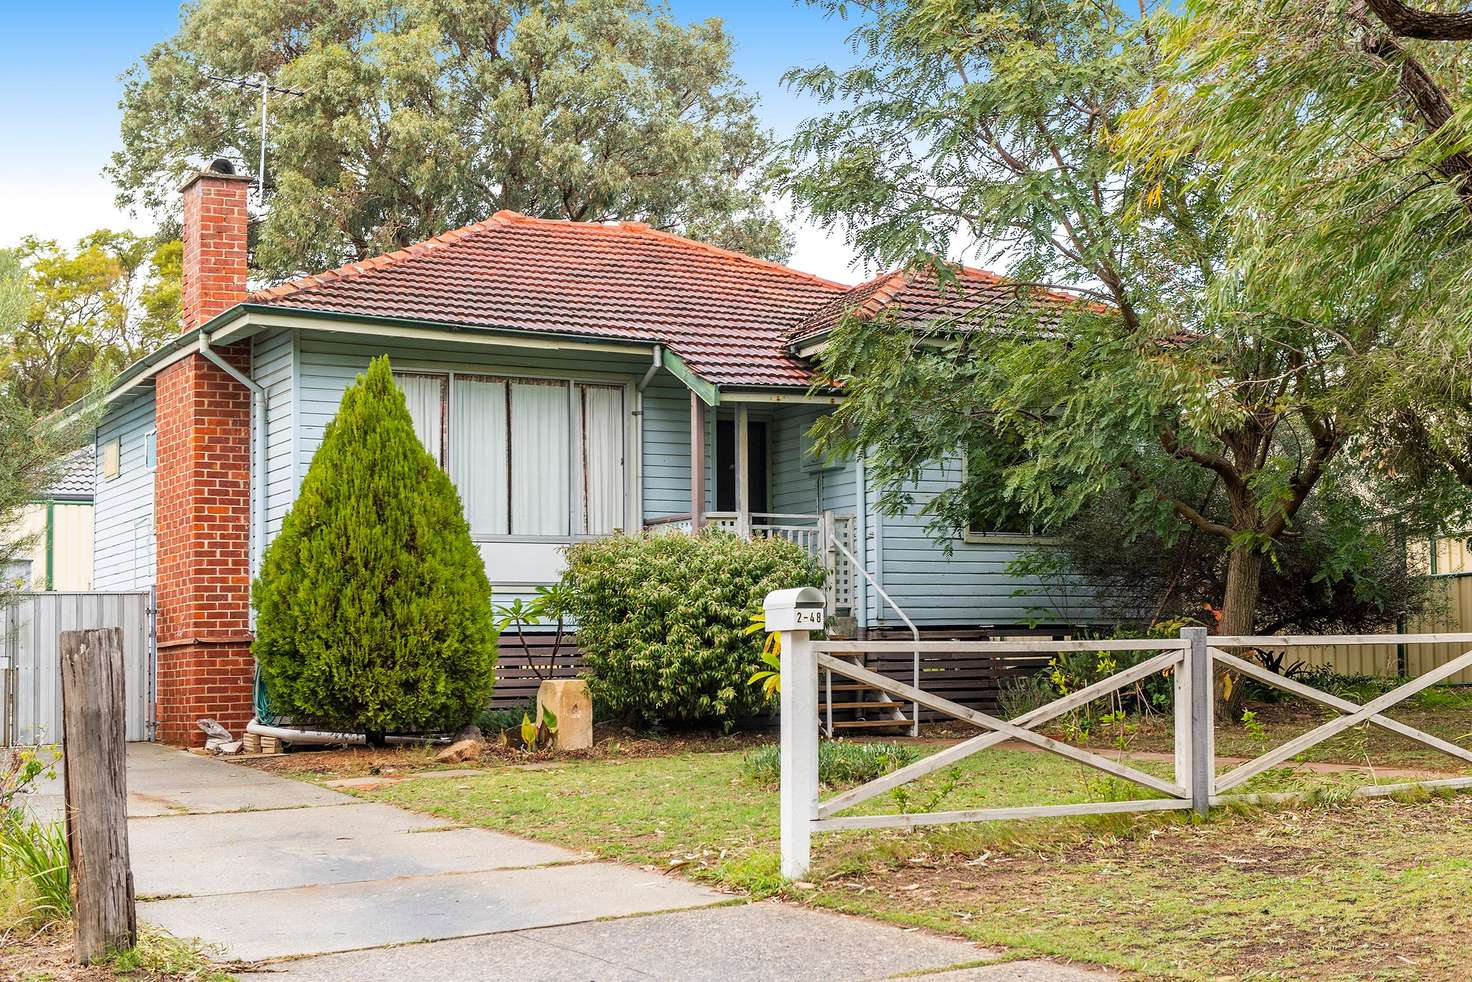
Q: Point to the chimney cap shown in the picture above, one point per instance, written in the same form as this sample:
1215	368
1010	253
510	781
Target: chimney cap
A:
219	169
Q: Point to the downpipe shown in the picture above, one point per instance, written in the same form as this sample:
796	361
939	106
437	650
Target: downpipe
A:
287	734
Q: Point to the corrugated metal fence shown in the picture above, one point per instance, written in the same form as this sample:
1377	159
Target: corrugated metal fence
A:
1453	615
30	679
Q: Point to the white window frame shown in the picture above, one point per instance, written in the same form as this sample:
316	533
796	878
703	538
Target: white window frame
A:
632	471
150	449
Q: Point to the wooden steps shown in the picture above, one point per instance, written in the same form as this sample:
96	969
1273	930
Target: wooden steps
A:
871	724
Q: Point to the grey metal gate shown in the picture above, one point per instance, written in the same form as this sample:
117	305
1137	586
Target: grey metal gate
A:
30	677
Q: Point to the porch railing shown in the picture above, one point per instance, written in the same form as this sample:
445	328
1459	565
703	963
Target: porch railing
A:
826	536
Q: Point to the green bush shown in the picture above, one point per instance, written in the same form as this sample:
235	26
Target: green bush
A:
662	619
839	762
374	607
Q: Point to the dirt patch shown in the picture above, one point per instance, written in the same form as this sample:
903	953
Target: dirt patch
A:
47	955
1335	893
609	744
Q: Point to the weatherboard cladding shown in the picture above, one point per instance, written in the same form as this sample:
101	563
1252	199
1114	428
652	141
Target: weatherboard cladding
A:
122	552
726	315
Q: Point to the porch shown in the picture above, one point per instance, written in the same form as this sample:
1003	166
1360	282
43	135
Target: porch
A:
743	462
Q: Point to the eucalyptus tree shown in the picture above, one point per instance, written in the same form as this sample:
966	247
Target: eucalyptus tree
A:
419	116
1001	122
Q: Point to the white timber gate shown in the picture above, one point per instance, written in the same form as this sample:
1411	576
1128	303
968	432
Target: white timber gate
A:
30	660
1192	659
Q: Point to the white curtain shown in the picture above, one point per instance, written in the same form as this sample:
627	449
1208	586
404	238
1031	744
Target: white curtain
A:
540	458
425	396
600	459
480	453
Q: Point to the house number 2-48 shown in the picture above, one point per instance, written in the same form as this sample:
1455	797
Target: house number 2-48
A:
808	620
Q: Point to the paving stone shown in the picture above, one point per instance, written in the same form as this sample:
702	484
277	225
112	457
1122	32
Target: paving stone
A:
341	917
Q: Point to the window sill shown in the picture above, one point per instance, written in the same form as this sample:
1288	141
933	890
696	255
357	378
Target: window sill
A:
1010	539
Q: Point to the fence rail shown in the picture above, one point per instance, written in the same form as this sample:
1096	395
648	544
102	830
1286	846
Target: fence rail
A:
1191	659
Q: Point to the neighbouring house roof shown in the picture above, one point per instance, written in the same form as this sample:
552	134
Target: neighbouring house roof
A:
78	477
974	298
726	315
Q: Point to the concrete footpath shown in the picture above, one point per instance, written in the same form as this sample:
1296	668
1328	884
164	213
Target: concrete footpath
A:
304	883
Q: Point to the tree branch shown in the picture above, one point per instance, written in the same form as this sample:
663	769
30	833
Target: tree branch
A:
1409	22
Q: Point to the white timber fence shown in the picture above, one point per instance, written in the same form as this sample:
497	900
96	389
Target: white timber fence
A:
1191	659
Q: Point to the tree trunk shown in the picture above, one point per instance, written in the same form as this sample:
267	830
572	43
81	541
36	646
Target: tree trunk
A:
1239	614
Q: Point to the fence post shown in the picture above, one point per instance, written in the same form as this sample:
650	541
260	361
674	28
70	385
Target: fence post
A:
793	614
1201	731
95	770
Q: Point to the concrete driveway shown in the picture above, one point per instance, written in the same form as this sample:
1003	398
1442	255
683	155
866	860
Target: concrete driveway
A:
304	883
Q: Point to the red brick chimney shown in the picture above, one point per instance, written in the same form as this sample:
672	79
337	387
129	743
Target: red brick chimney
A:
202	510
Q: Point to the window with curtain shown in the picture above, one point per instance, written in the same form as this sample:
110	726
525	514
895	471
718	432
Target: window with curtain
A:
532	457
425	395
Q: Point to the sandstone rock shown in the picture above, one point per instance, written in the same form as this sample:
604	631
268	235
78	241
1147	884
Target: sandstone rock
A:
460	750
569	701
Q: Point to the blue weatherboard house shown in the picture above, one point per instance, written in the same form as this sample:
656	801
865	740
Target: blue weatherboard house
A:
574	379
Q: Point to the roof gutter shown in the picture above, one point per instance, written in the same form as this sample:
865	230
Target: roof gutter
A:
258	459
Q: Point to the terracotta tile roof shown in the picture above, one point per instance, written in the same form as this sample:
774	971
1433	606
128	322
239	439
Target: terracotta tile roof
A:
727	315
976	298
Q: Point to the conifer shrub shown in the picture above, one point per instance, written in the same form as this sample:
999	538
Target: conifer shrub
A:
661	621
373	606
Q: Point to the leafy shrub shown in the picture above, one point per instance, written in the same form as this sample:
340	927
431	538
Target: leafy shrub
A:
374	607
34	871
839	761
662	621
493	721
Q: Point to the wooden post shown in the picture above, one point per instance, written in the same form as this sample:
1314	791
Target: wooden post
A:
1182	695
697	462
1203	720
94	744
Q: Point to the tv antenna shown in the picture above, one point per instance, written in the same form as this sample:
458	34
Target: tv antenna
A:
264	84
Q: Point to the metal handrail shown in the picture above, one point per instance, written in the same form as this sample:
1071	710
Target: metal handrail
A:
914	632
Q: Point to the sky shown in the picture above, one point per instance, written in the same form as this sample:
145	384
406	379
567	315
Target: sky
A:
59	68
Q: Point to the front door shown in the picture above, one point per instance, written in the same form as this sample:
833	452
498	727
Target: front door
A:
726	465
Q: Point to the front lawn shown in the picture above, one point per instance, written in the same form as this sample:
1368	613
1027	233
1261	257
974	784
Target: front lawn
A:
1369	889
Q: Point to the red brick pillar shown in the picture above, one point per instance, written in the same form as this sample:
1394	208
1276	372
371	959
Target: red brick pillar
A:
202	486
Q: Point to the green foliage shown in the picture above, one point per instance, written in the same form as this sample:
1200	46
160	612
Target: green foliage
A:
20	769
420	116
32	451
539	734
1342	571
840	762
548	605
662	621
493	721
1003	124
83	312
1318	118
374	607
34	870
769	675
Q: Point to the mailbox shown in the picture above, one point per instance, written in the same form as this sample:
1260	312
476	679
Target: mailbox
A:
801	609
